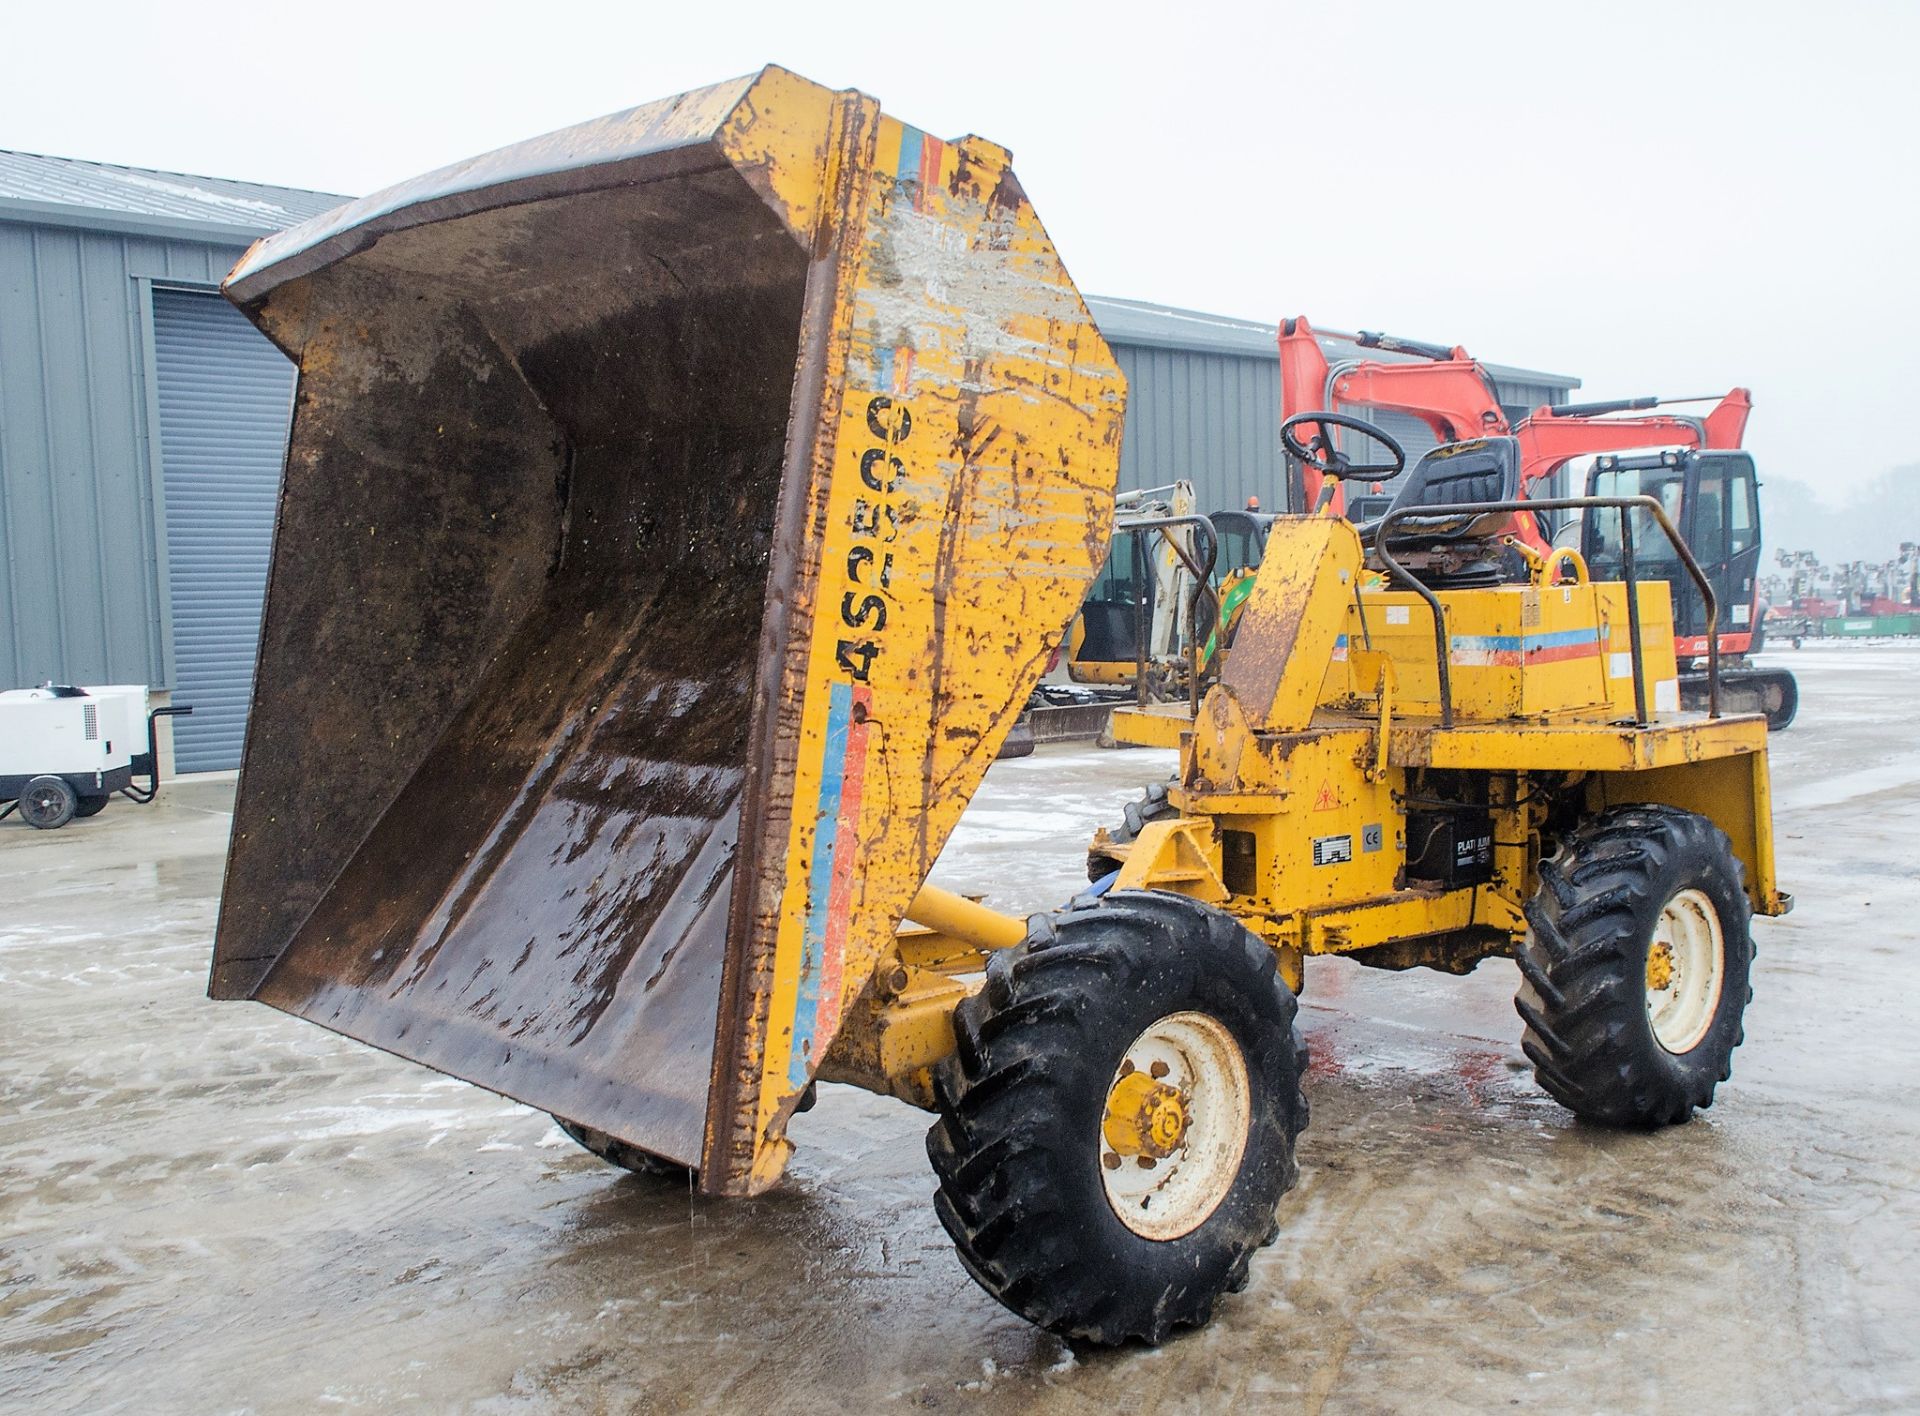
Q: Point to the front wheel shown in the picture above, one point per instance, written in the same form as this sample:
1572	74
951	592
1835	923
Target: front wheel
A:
1636	967
1117	1123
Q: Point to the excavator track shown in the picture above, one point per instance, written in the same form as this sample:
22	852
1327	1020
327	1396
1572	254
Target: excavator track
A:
1773	692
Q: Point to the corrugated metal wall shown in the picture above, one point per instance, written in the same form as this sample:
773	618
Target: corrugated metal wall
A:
82	597
1213	419
225	396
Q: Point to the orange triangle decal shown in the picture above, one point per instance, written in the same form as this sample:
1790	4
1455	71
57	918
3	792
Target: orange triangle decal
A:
1328	800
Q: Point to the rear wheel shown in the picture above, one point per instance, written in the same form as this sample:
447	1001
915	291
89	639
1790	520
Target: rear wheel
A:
628	1157
91	805
48	803
1117	1123
1636	967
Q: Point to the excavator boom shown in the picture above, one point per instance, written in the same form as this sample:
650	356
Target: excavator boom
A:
1551	437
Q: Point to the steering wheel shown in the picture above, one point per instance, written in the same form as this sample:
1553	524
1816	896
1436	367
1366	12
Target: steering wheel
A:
1322	456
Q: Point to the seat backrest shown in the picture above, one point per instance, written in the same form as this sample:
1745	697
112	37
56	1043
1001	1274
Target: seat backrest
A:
1463	473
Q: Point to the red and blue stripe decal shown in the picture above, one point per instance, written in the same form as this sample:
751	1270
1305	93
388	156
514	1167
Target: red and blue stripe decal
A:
920	158
1514	650
843	775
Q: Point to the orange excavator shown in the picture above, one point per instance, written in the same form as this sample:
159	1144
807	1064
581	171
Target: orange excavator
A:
1695	466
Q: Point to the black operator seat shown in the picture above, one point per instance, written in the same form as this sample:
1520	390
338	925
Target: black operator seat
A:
1478	472
1461	474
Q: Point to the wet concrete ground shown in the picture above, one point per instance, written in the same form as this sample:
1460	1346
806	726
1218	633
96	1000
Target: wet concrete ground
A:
212	1207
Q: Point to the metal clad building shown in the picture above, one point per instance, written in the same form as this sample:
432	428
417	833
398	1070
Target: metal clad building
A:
1204	400
142	426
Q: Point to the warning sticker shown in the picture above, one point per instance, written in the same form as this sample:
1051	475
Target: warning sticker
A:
1328	799
1332	850
1399	614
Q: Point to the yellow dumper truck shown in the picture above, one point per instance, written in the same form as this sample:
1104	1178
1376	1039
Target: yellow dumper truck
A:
678	512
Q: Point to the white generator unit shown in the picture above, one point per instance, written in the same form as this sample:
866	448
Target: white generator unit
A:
64	751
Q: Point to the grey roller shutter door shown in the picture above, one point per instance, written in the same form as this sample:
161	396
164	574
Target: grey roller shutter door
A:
226	395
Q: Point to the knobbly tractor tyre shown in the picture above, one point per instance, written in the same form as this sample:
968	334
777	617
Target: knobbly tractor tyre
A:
1636	968
1152	806
618	1152
1117	1123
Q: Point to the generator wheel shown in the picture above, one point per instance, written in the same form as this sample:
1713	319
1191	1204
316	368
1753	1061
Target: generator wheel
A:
48	803
1636	969
1117	1123
91	805
628	1157
1152	806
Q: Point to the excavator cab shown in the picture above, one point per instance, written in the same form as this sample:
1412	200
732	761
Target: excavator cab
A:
1129	616
1714	498
1241	539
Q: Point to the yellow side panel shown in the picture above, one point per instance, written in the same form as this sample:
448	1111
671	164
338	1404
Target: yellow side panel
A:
1521	651
1318	834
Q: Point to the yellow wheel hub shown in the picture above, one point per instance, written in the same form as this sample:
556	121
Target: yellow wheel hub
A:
1179	1110
1659	966
1144	1116
1685	964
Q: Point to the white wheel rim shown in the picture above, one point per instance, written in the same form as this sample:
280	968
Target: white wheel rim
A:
1200	1076
1686	963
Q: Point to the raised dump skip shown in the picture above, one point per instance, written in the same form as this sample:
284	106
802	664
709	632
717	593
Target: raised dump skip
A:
679	510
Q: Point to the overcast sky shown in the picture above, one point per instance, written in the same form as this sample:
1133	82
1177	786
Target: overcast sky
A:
1660	198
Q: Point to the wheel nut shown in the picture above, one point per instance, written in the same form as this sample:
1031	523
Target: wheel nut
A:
1147	1162
1110	1160
1158	1070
